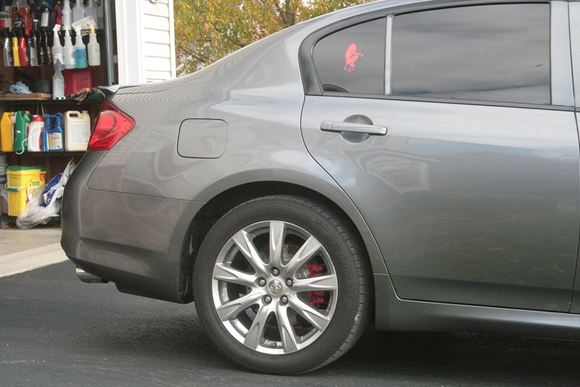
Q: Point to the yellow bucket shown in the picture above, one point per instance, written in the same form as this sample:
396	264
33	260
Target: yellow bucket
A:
21	180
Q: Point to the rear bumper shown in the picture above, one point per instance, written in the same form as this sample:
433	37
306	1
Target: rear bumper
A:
132	240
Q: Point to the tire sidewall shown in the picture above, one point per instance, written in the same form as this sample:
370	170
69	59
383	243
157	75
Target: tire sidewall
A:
348	305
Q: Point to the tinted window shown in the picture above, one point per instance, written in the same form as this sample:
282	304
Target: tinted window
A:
353	60
486	53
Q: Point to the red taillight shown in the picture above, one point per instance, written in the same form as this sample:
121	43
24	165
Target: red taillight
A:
112	124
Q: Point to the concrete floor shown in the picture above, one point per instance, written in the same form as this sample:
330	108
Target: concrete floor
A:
23	250
14	241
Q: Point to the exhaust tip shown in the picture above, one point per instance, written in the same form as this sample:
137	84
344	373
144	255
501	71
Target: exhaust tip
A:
89	278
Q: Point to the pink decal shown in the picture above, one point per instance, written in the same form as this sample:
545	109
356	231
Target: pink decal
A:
352	56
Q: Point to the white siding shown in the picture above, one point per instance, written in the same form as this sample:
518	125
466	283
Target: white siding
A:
145	40
159	44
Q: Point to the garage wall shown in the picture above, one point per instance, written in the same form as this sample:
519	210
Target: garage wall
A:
145	40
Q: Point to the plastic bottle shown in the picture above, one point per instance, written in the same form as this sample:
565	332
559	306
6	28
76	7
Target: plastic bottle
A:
22	51
68	51
77	130
44	17
21	131
57	54
42	48
79	12
46	131
80	52
56	135
32	44
66	15
6	133
35	134
94	49
92	10
15	54
7	50
58	81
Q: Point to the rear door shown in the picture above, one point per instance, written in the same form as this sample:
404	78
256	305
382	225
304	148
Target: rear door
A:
452	130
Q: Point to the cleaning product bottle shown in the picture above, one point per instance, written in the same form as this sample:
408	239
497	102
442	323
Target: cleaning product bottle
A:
44	17
22	51
94	49
58	81
56	135
45	131
15	54
35	134
66	15
31	45
77	130
80	52
68	51
42	48
57	54
7	50
92	10
79	12
6	133
21	131
34	45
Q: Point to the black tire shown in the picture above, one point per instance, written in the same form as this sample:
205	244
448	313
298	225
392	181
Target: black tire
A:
352	311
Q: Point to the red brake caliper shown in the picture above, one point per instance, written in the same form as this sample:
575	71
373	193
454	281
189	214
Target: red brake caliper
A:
317	297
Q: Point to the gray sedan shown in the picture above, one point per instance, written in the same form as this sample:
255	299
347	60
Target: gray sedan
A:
414	164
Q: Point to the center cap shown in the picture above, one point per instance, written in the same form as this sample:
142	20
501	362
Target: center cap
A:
275	287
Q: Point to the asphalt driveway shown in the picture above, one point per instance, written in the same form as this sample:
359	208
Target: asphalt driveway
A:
54	330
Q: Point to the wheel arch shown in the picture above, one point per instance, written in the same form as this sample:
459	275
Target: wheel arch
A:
226	198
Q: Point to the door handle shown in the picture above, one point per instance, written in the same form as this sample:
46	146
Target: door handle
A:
351	127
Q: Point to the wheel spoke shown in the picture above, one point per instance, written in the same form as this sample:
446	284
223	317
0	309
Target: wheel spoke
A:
256	331
303	255
285	328
232	309
314	317
246	246
324	282
276	243
227	273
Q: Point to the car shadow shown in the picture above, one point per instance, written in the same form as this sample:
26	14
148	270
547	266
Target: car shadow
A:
379	357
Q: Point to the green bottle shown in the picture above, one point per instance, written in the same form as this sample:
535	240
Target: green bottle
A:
21	131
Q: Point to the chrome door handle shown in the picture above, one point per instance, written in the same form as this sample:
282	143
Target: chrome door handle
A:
338	126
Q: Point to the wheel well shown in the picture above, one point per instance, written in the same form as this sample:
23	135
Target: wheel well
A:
224	202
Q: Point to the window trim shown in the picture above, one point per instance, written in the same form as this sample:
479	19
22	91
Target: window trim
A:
560	51
312	86
574	14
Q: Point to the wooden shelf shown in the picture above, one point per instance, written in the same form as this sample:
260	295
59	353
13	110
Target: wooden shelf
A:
25	97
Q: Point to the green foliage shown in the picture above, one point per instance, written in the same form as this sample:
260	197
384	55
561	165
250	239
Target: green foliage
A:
207	30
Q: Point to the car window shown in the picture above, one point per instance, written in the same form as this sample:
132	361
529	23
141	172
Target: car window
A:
483	53
352	60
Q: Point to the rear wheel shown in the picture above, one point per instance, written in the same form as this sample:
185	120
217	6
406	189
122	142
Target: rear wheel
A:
281	285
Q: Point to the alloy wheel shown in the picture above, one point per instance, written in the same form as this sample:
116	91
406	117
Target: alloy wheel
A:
274	287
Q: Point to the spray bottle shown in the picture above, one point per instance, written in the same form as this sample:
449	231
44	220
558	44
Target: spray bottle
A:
94	49
79	12
66	15
68	51
58	81
56	135
56	46
80	50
